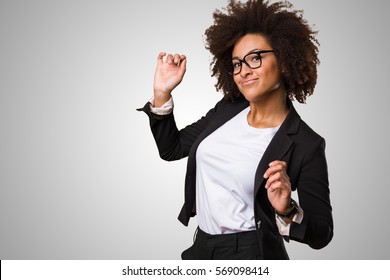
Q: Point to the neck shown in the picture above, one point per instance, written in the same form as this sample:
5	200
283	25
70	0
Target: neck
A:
269	112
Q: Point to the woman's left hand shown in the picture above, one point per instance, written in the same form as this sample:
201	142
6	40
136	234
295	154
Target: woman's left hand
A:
278	186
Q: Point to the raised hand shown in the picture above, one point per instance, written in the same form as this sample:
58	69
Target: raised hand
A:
168	75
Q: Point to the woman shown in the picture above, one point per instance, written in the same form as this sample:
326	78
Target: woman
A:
248	153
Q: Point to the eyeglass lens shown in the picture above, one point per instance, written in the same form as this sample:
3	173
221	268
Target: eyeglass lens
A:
252	60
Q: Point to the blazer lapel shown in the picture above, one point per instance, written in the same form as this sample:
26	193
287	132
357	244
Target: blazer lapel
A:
277	150
231	109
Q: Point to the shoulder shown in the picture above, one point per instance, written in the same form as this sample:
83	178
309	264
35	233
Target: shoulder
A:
301	132
308	133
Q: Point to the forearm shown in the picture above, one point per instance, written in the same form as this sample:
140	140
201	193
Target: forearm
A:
165	133
173	143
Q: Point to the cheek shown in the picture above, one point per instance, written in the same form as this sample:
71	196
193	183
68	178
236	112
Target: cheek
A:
273	74
236	80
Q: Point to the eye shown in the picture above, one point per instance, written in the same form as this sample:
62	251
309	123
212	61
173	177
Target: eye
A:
236	64
255	57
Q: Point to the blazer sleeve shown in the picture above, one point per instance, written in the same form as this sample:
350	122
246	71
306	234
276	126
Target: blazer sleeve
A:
172	143
316	228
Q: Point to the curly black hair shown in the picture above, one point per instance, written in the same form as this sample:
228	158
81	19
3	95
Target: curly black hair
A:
290	36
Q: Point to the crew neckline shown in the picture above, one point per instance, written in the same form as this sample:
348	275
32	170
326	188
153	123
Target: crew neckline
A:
258	130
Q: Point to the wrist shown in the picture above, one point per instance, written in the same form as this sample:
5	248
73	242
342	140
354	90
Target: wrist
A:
161	98
290	211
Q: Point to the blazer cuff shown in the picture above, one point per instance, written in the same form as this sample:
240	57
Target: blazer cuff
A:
152	116
165	109
284	228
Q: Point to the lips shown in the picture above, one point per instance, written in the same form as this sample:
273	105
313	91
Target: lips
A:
249	82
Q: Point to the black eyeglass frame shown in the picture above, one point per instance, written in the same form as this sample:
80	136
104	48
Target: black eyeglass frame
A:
246	63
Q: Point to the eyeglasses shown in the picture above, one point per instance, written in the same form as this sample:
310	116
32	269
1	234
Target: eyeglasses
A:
252	60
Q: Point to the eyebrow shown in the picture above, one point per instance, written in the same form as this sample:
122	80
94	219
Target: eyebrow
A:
254	50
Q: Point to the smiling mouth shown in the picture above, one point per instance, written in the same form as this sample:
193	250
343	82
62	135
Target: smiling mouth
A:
248	82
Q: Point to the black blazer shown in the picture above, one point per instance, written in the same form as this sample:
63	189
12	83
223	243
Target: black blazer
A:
295	143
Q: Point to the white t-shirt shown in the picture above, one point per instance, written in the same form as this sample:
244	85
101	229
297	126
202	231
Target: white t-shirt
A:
226	163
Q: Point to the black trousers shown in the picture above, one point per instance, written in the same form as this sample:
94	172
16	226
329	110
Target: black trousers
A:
232	246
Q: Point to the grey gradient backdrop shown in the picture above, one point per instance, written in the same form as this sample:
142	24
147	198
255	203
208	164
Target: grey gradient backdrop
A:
80	176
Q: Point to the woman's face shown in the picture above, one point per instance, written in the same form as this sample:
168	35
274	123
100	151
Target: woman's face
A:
260	83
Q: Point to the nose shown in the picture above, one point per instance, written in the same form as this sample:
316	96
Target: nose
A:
245	70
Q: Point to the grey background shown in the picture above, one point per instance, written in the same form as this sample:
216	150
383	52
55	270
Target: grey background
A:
80	176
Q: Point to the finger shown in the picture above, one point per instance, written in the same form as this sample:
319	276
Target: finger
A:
160	57
280	186
283	184
276	162
183	63
169	59
278	176
273	169
272	179
176	59
275	186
